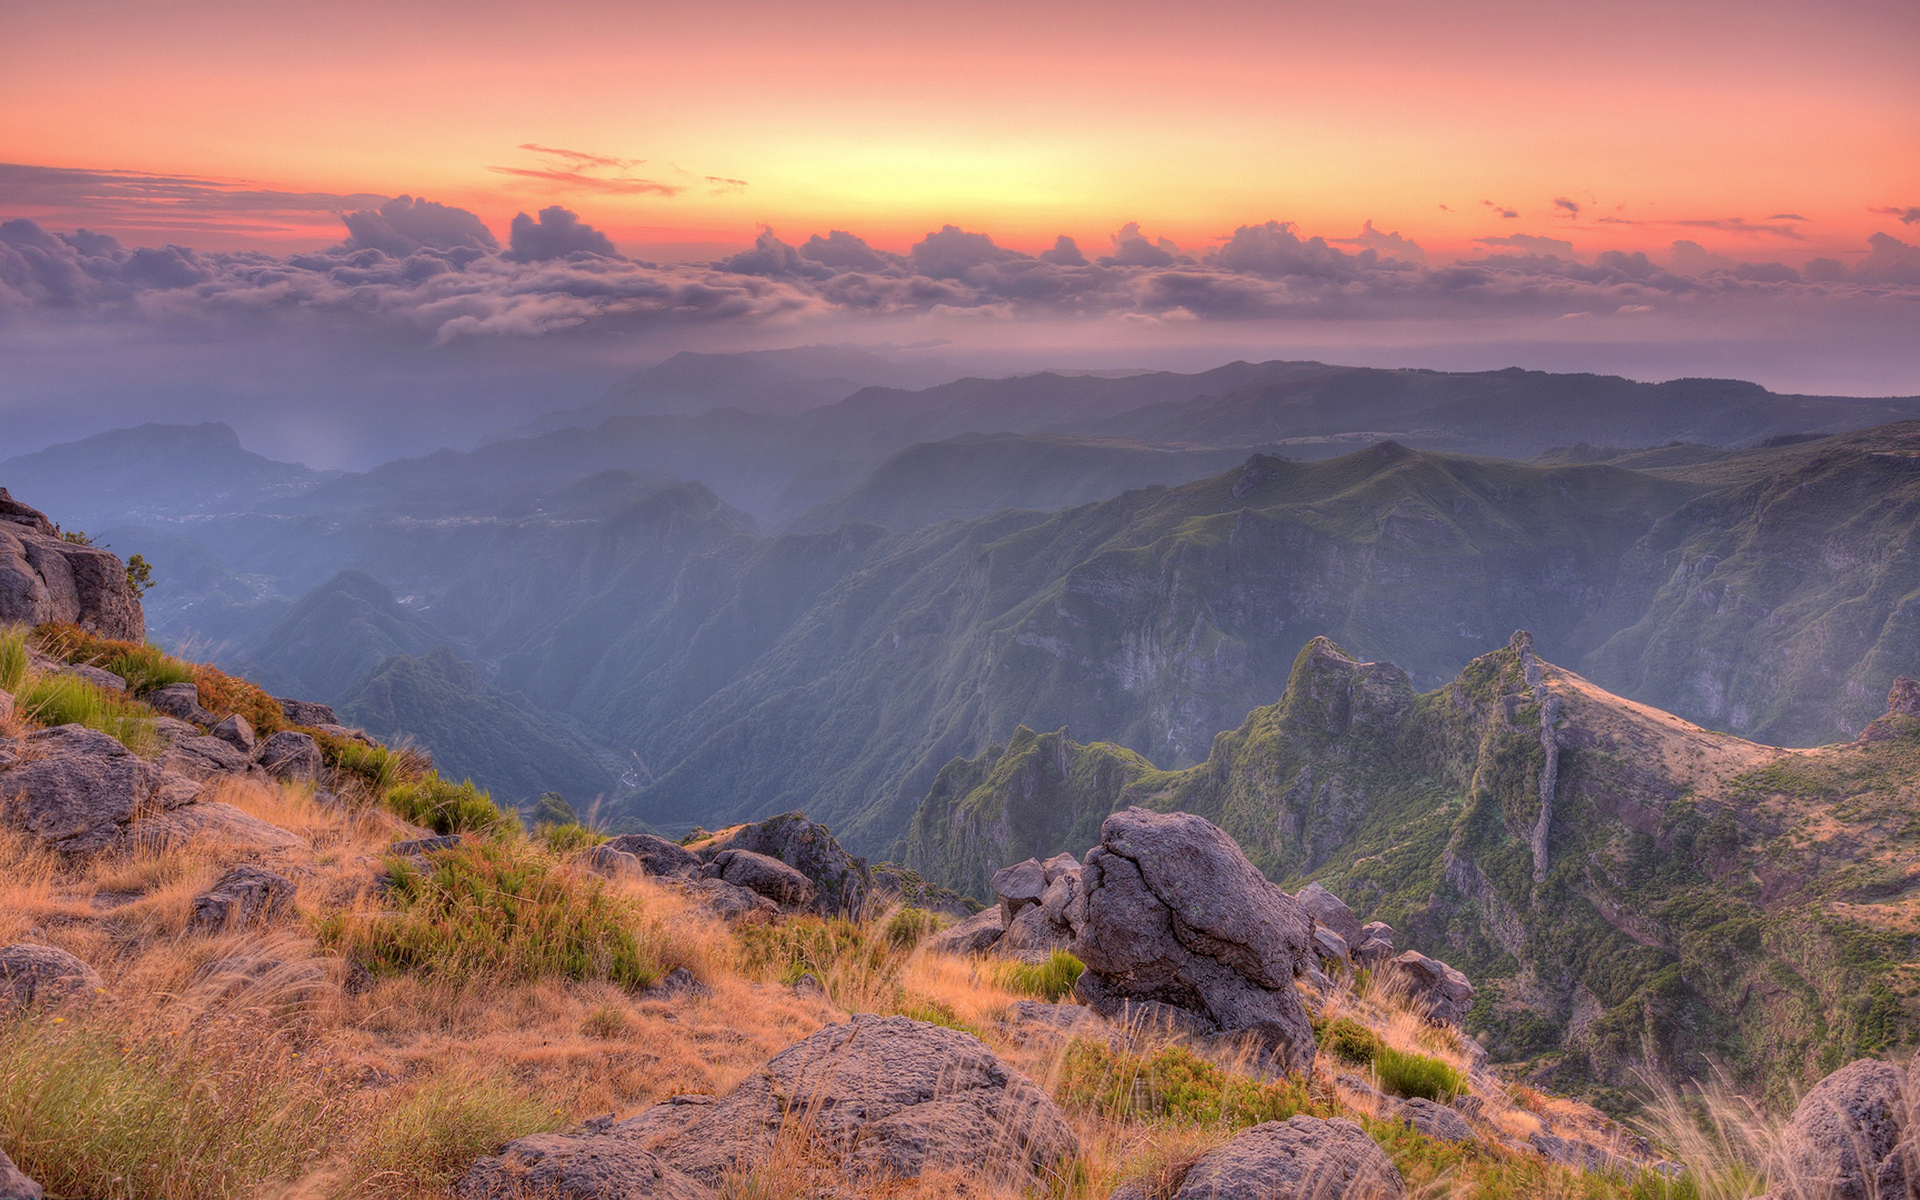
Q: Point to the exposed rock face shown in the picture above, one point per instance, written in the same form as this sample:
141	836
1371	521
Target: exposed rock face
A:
204	757
731	903
656	855
1444	992
1172	912
14	1185
243	896
884	1096
769	877
841	881
74	789
306	712
1850	1138
182	702
291	755
1329	911
43	578
31	974
1303	1158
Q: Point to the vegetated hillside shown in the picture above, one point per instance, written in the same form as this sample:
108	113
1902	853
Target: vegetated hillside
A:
475	732
980	473
336	634
1781	608
1628	891
1157	618
1513	413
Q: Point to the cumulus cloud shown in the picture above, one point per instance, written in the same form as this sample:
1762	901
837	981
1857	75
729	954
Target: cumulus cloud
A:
1908	216
1691	258
403	225
1132	249
1531	244
1390	245
1065	253
557	234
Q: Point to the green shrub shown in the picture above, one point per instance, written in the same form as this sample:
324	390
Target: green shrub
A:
1051	980
1417	1075
146	668
139	575
424	1143
380	767
831	949
501	909
1171	1084
1350	1041
566	839
51	700
449	807
13	658
909	927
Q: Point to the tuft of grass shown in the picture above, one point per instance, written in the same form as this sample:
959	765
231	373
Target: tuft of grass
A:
1350	1041
491	909
1051	980
449	807
50	700
226	1111
568	838
380	768
13	658
845	956
424	1143
148	667
1403	1073
143	665
908	927
1171	1084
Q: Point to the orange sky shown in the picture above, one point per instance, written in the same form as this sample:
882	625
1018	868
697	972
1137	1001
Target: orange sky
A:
1021	120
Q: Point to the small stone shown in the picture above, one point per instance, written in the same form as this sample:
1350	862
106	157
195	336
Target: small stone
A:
306	712
31	975
679	984
243	896
972	936
1434	1120
425	845
1443	992
104	680
237	732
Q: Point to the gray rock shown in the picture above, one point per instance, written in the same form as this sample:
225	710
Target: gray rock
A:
42	975
679	984
236	732
974	935
589	1166
885	1096
614	864
44	578
1327	909
306	712
1034	935
1844	1141
106	681
1302	1158
1443	992
841	881
657	855
1377	929
14	1185
770	877
74	789
1434	1120
1019	885
733	904
1171	911
181	701
1329	945
209	821
1373	953
290	755
1585	1156
1058	865
172	730
242	897
204	757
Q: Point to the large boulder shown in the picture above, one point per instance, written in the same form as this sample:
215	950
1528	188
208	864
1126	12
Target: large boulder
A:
204	757
244	896
75	789
975	935
1170	912
14	1185
237	732
208	822
1327	909
1443	992
770	877
306	712
181	701
291	755
557	1166
841	881
1018	886
42	975
1850	1138
44	578
1302	1158
656	855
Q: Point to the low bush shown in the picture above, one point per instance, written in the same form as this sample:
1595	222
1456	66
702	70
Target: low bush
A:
908	927
1050	980
837	952
1417	1075
381	768
223	693
51	700
1171	1084
446	807
568	838
1349	1041
504	910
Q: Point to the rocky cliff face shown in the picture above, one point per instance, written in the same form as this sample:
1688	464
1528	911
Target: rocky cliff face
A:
44	578
1632	891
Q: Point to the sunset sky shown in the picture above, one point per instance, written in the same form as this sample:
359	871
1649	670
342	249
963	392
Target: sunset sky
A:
1760	130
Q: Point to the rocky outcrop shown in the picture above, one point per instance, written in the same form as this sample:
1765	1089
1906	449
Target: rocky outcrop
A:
181	701
1302	1158
14	1185
1522	644
244	896
306	712
1435	1120
656	855
556	1166
841	881
1329	911
1018	886
74	789
45	578
1442	992
42	975
237	732
1171	912
769	877
974	935
881	1097
1851	1138
291	755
